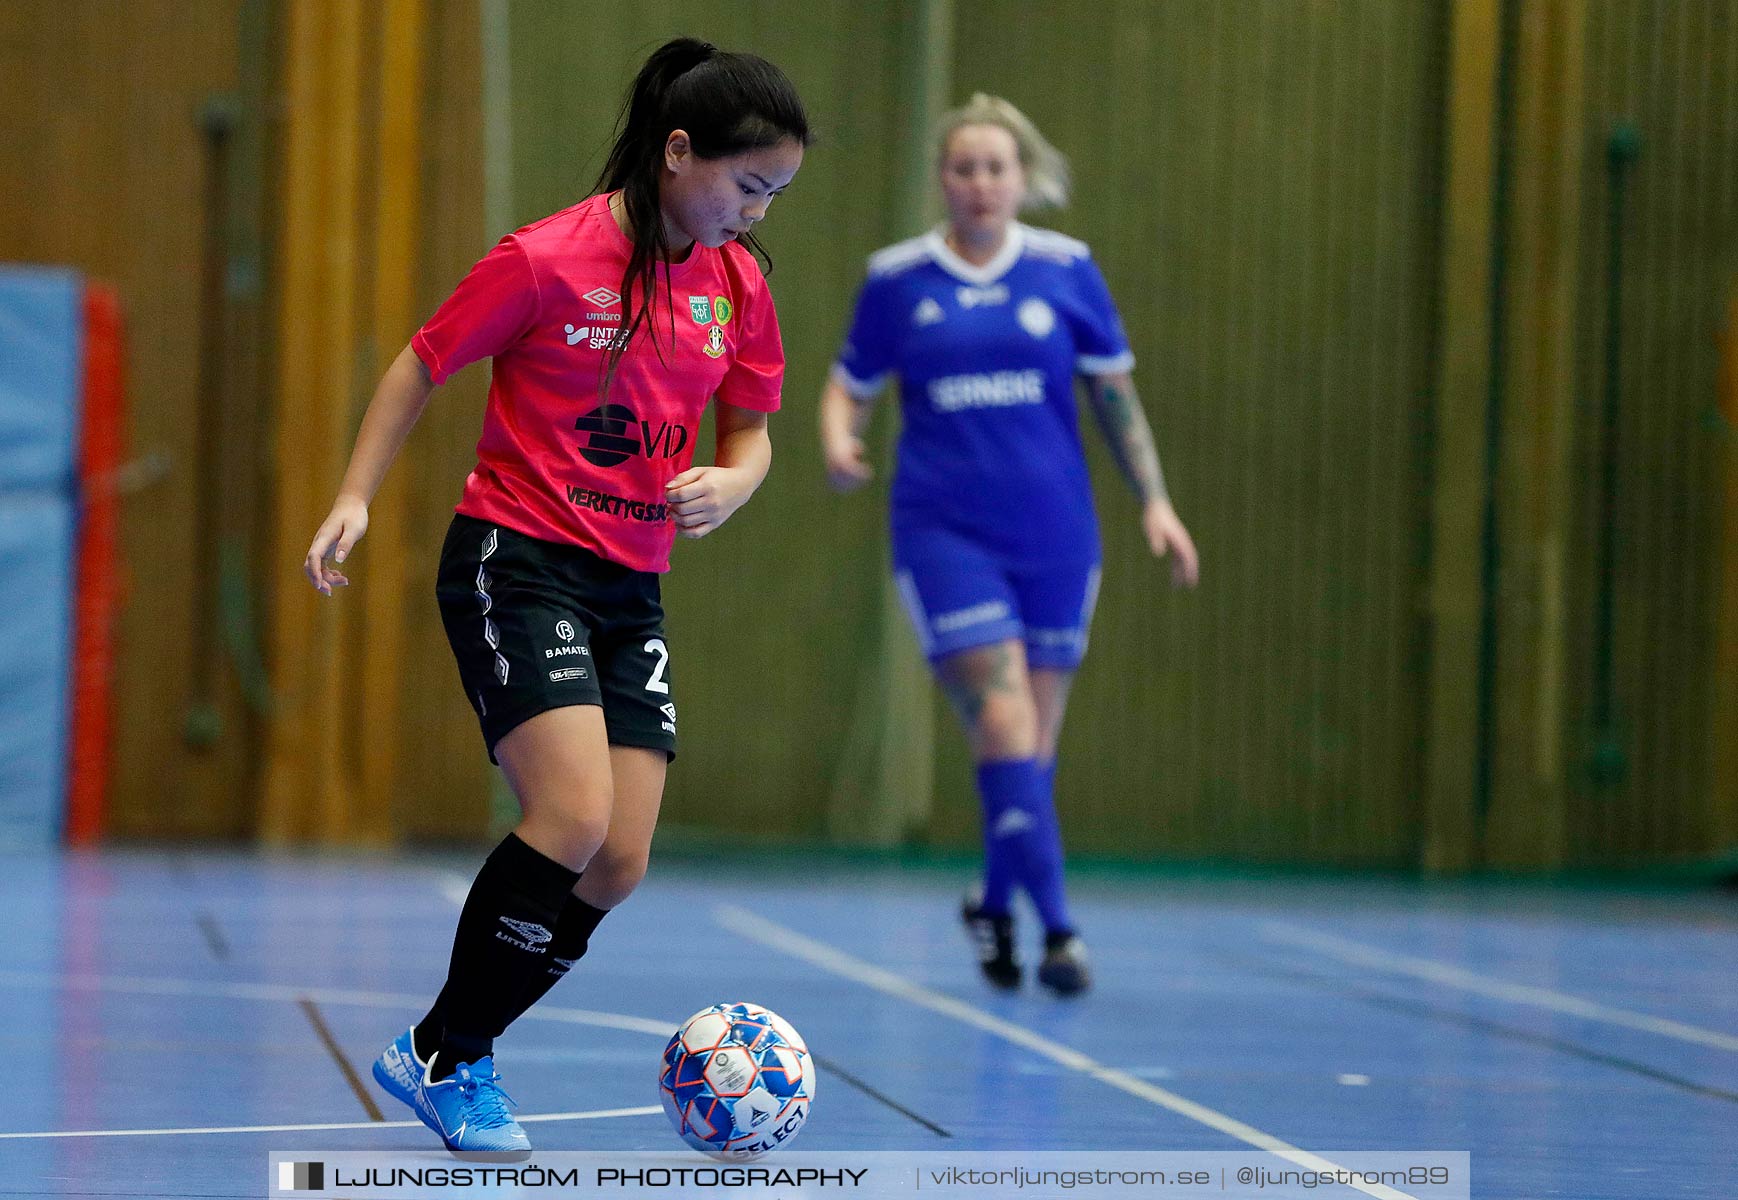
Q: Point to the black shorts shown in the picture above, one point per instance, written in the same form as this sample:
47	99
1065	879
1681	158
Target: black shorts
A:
537	625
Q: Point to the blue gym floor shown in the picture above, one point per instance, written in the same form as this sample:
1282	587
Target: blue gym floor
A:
174	1016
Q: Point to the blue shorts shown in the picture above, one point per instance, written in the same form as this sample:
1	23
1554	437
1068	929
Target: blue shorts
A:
959	596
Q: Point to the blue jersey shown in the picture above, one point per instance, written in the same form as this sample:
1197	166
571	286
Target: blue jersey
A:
986	359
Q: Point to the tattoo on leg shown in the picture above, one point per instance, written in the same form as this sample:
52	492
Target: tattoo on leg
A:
968	702
969	695
1001	675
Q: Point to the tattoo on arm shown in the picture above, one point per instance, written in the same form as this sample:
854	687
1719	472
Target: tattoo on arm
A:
1125	428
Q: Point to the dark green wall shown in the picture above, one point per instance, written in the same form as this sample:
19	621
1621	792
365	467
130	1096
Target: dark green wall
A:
1258	182
1669	70
1261	181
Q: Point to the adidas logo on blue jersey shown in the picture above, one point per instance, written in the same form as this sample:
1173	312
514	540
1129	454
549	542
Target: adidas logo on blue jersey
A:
927	312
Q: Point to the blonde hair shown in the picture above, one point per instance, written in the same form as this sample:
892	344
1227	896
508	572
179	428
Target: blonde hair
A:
1047	178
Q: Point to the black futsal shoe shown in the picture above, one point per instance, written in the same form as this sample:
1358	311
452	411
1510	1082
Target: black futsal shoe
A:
1064	970
993	938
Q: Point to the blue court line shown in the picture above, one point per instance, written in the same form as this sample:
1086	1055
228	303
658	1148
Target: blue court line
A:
787	941
1432	971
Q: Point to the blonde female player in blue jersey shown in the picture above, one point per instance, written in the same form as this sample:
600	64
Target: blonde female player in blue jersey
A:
987	323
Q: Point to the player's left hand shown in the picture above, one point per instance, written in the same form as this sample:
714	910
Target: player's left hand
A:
703	498
1165	533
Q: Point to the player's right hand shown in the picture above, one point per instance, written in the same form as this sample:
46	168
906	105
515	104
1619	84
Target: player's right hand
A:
339	533
847	468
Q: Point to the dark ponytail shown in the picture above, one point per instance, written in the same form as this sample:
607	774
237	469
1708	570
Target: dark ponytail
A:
728	103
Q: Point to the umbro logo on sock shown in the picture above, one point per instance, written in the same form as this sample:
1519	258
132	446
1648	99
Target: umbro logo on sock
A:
531	937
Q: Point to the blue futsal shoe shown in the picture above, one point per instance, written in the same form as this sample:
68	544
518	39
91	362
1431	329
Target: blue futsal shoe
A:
471	1111
400	1072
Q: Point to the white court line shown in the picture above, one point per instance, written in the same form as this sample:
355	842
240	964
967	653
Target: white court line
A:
595	1115
788	941
1358	954
138	985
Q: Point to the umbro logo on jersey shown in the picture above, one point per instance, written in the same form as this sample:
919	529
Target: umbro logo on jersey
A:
1012	821
927	312
603	297
531	937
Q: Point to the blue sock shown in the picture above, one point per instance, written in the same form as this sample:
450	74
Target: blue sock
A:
1044	862
1010	792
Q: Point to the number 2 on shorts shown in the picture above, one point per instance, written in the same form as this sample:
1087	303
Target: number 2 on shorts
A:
656	682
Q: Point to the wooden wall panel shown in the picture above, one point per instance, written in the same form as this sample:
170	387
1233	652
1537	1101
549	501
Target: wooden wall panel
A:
445	776
102	168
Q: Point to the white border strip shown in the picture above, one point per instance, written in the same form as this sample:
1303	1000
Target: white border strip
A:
787	941
1358	954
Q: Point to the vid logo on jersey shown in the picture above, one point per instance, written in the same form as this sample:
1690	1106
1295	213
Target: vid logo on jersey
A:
614	433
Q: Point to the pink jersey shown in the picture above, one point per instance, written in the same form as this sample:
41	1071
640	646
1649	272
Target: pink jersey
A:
552	461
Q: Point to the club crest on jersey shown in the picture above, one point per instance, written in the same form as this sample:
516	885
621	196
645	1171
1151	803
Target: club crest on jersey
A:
700	308
714	342
721	310
1036	317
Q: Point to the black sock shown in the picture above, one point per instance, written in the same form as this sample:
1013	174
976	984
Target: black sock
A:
572	938
501	946
425	1037
573	930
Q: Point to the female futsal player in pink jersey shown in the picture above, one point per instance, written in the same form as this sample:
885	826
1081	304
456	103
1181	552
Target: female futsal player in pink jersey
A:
610	326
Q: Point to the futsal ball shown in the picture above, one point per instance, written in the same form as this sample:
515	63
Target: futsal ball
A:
737	1081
